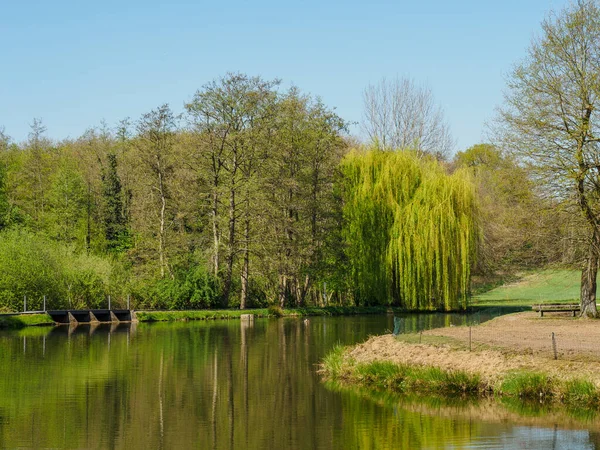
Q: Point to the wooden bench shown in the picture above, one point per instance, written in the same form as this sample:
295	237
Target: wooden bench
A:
556	307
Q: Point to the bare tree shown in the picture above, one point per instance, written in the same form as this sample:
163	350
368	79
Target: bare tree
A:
550	118
401	114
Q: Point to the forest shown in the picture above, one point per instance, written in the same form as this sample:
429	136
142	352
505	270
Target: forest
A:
255	196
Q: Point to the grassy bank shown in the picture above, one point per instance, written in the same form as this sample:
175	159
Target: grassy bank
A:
338	366
546	286
170	316
24	320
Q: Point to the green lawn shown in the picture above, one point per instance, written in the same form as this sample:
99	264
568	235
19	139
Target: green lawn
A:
546	286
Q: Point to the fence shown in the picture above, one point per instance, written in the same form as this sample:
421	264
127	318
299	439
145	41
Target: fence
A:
42	305
557	336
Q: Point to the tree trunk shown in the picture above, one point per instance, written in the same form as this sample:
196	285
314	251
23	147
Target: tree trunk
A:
245	267
589	277
231	249
215	226
161	240
88	233
282	290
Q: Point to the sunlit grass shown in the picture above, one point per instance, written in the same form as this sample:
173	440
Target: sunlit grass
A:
525	387
545	286
24	320
399	377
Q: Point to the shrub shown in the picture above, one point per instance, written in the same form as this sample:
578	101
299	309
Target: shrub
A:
35	267
275	310
191	288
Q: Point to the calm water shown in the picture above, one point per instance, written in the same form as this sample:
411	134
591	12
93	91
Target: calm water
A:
236	385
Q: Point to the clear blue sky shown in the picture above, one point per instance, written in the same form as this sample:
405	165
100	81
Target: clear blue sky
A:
74	63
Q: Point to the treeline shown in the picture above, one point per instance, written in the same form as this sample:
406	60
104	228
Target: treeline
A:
249	198
230	204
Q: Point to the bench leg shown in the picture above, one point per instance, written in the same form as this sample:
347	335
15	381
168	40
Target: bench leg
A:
541	313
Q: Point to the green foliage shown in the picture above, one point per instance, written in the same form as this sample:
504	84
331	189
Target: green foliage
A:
117	234
214	314
411	230
33	266
333	363
66	198
25	320
4	205
189	288
276	310
582	393
400	377
526	385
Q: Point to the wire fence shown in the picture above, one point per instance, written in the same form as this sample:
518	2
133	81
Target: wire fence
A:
556	336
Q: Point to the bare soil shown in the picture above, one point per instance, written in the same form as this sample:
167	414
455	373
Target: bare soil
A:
516	342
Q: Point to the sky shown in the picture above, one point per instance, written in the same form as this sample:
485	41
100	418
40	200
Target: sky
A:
76	63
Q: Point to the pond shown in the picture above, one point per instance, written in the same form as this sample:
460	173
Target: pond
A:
232	385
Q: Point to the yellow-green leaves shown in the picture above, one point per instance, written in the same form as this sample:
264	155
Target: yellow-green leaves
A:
411	230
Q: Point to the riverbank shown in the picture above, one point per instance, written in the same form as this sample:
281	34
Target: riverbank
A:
15	321
510	356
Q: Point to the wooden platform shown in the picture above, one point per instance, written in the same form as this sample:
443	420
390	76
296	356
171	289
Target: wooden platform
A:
556	307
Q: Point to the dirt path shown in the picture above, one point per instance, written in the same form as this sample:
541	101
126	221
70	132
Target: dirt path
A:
576	339
509	343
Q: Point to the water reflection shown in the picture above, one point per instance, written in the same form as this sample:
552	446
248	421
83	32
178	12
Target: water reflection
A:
221	385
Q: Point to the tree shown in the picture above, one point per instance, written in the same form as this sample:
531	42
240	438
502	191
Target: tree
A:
155	141
66	201
114	218
231	117
400	114
550	118
411	230
299	183
37	171
4	203
512	215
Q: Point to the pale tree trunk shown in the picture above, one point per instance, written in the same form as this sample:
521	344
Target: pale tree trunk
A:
589	277
231	249
245	266
161	240
216	238
282	290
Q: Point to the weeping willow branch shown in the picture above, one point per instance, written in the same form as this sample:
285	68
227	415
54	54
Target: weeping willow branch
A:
410	228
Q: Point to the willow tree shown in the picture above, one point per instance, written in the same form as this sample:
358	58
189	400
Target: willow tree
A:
410	228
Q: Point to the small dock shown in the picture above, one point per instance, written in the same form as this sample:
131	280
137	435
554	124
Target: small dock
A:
91	316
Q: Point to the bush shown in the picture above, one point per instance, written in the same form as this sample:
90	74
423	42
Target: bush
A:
35	267
192	288
275	310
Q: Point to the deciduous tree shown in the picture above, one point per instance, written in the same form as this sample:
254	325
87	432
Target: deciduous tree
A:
550	118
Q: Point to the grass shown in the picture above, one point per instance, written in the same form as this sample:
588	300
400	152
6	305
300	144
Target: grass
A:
528	386
399	378
25	320
418	338
546	286
533	387
170	316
